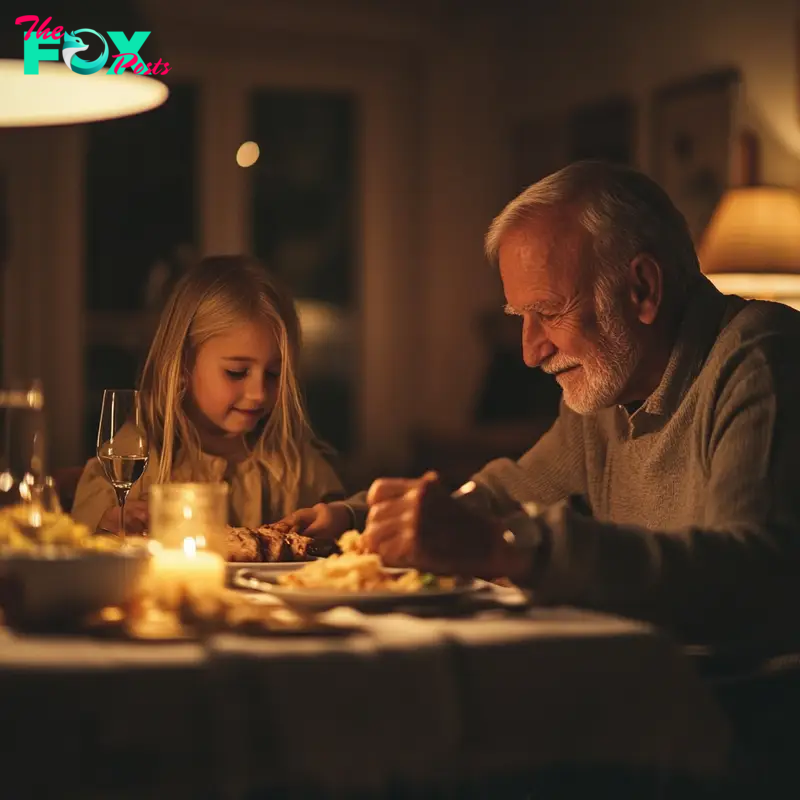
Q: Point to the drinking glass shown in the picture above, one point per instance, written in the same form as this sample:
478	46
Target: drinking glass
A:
189	516
24	483
122	445
22	449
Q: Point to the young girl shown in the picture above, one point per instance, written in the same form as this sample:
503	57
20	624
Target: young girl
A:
221	402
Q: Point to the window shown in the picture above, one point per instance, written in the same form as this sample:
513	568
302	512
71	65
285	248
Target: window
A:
303	207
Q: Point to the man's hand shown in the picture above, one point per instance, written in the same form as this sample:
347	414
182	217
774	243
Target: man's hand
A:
322	521
136	518
416	523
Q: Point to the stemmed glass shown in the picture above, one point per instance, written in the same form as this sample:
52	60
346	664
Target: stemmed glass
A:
122	445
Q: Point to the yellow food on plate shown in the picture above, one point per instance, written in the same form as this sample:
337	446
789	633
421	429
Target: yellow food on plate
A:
353	571
349	542
28	528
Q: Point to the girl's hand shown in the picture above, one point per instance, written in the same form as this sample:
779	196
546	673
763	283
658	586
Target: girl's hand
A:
136	518
322	521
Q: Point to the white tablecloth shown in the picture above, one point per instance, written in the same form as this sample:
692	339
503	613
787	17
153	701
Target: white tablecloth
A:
420	701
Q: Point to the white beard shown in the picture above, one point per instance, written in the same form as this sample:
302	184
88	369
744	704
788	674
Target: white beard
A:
603	375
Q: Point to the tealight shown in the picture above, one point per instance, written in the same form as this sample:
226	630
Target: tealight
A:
176	576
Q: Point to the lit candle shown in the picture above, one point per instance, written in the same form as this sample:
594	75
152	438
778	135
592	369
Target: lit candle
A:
192	573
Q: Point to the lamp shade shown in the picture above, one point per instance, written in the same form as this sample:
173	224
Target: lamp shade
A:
752	244
57	96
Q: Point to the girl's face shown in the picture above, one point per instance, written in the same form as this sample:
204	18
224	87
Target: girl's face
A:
234	382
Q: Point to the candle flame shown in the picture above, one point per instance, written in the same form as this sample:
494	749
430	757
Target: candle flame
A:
187	512
190	546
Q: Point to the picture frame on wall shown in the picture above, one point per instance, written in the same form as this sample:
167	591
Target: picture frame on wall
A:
694	127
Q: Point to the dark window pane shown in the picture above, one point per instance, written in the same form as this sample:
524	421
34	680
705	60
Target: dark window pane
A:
303	189
140	198
106	368
604	131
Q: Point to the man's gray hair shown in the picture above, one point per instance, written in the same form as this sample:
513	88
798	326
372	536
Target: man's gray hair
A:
625	212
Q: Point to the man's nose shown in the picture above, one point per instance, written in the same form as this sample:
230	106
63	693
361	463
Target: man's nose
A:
536	347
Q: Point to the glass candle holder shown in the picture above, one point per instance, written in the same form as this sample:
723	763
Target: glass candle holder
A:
189	511
187	530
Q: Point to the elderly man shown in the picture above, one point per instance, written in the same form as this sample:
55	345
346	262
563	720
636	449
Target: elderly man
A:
668	488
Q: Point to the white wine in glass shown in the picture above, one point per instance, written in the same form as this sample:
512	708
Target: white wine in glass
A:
122	444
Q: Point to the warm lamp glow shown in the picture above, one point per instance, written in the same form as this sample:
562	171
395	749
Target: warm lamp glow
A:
752	244
58	96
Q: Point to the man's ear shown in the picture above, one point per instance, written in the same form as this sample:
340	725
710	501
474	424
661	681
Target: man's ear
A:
645	280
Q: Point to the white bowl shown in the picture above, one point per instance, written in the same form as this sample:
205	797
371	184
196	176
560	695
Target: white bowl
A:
38	588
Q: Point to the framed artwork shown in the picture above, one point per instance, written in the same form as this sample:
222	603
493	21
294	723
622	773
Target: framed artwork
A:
604	130
694	129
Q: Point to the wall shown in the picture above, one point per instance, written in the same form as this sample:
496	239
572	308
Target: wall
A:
466	172
631	47
42	289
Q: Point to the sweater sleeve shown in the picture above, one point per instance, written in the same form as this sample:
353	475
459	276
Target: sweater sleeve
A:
93	496
553	469
319	481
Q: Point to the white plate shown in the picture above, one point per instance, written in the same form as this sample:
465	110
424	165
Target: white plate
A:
261	568
319	600
266	566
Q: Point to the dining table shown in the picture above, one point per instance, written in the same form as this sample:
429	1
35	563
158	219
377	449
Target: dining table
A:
479	700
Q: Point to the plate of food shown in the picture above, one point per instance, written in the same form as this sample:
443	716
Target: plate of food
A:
356	579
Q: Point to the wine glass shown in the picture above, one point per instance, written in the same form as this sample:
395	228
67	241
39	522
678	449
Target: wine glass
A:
122	445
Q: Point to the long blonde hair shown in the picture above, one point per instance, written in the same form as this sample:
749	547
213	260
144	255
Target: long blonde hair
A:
218	293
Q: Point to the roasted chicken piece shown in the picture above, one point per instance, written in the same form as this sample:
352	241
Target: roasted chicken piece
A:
241	545
271	543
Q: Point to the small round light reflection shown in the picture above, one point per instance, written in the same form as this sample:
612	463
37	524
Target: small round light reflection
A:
247	154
